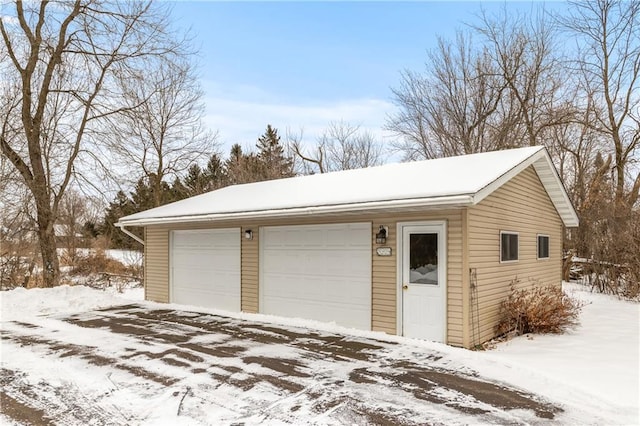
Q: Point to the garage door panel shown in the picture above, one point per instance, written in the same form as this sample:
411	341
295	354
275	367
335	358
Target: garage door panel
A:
202	277
340	313
219	260
330	236
198	297
318	263
355	237
325	288
320	272
206	268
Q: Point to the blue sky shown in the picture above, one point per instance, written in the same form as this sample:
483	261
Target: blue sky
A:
300	65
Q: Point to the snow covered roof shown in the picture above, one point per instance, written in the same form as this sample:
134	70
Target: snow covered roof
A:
443	182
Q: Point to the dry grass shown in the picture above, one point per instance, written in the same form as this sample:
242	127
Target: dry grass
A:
539	309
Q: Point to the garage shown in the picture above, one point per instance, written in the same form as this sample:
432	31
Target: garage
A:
318	272
205	268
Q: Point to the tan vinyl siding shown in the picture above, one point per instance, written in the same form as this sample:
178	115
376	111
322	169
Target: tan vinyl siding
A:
384	281
522	206
385	278
384	269
156	264
465	281
249	270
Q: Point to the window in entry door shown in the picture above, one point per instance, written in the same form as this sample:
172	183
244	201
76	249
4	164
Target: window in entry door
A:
423	258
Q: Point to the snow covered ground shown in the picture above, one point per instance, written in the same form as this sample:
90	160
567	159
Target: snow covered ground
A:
592	372
601	356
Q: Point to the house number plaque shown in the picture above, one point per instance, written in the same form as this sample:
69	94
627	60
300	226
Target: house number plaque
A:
383	251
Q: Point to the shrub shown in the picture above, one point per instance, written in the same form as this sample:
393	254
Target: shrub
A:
18	264
538	309
98	263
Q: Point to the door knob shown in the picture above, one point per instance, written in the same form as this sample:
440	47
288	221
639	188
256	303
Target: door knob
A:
405	287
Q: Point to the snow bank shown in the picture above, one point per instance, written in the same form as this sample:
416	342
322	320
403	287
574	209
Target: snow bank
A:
21	303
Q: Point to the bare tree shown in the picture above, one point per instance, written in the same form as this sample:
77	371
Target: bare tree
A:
61	62
75	211
341	146
162	124
524	53
451	108
607	33
499	86
574	146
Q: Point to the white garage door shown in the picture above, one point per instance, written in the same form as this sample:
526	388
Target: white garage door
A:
205	268
319	272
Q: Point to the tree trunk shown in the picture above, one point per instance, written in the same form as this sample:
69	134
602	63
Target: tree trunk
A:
48	248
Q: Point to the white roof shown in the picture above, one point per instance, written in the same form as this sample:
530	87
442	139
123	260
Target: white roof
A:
443	182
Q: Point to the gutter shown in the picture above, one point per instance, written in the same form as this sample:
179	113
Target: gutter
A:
129	233
447	201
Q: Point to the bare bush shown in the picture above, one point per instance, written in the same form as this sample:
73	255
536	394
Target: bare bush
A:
98	263
539	309
96	269
614	264
17	264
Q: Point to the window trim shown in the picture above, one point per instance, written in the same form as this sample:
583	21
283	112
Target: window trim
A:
538	247
518	247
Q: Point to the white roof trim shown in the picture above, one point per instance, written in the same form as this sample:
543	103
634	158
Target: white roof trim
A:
453	201
548	175
485	173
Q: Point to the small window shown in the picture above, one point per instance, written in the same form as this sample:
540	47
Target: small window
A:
543	246
508	246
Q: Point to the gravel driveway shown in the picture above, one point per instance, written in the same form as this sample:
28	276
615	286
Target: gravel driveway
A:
214	369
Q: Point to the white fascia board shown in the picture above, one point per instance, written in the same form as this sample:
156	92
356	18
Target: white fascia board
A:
541	161
559	197
513	172
437	202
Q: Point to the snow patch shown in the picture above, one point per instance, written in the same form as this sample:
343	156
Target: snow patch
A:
592	371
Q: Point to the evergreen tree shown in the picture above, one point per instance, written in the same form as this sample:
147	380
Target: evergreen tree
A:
275	164
195	182
216	173
141	198
243	168
121	206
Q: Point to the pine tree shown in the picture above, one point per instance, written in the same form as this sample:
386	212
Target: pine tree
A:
119	207
216	173
141	198
275	164
195	182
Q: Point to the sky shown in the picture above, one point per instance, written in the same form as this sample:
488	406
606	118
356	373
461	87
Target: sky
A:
301	65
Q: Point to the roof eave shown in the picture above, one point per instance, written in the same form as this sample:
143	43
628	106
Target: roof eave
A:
433	202
541	161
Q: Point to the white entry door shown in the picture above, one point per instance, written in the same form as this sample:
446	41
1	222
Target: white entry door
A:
423	281
205	268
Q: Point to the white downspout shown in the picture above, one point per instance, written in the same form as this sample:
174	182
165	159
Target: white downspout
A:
129	233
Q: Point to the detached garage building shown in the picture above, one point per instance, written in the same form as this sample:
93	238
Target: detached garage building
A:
424	249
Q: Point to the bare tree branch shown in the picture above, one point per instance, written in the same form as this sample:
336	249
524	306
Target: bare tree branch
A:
62	66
